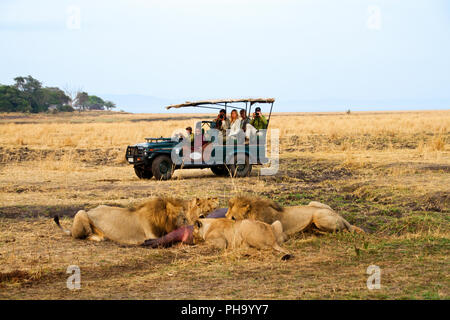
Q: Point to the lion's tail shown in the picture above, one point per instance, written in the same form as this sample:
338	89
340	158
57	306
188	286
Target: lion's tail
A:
352	228
287	254
56	219
357	229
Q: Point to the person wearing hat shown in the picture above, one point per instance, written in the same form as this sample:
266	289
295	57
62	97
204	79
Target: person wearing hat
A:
190	134
259	121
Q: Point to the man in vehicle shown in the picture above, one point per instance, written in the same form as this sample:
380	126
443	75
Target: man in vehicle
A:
190	134
222	122
258	121
244	119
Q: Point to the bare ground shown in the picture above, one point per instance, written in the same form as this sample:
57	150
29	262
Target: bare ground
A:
400	197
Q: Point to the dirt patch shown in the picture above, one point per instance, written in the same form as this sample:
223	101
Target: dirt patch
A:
18	276
318	142
420	166
437	167
438	201
22	212
134	267
94	157
310	171
318	175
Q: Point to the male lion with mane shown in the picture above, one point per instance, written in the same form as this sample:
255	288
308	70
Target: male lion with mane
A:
148	220
294	219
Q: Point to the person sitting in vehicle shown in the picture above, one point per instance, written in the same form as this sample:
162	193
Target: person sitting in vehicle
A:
248	129
235	124
222	122
197	142
244	120
190	134
258	121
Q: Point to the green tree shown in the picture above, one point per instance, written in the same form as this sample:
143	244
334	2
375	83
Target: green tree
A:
55	96
65	108
32	91
96	103
28	95
12	100
27	84
109	105
81	101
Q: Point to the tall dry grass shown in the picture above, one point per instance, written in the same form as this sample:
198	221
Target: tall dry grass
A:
342	132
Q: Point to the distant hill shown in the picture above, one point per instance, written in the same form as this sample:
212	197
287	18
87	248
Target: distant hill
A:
148	104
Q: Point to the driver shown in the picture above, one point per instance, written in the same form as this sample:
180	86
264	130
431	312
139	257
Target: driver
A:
190	134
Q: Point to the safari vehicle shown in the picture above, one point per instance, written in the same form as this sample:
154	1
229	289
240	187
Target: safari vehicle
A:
154	158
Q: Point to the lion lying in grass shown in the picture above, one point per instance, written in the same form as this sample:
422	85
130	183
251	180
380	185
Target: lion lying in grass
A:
294	219
197	207
225	233
149	220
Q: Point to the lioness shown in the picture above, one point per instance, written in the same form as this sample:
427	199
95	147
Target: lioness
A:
294	219
225	233
197	207
149	220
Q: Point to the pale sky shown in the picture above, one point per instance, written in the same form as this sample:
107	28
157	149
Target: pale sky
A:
396	52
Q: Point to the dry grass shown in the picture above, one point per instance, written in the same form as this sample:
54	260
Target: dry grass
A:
386	172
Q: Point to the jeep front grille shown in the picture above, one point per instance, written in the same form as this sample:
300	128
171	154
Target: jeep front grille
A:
135	151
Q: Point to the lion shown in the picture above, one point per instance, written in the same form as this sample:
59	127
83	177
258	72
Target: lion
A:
198	207
148	220
293	219
225	233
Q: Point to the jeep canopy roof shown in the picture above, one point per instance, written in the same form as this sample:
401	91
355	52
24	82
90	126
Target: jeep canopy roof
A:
222	102
226	103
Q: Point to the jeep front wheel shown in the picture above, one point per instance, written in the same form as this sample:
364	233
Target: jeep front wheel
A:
143	172
162	167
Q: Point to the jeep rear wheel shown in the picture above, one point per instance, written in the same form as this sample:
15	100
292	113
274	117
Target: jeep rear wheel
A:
162	167
142	172
242	169
220	171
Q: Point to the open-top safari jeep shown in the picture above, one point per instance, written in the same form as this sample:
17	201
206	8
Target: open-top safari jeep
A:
159	157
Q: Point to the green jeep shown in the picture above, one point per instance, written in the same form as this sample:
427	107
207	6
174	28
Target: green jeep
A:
160	157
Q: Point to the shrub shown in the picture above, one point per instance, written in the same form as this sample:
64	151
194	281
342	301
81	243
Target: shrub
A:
65	108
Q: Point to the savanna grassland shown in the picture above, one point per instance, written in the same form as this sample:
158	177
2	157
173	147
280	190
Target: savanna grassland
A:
386	172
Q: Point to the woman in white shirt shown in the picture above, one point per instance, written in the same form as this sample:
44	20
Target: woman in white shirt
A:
235	124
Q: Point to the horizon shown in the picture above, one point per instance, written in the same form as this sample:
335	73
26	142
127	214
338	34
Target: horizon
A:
312	56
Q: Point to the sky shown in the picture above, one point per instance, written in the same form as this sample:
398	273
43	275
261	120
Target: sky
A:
311	55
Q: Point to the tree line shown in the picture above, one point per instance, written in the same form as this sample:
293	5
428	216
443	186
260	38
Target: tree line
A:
29	95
